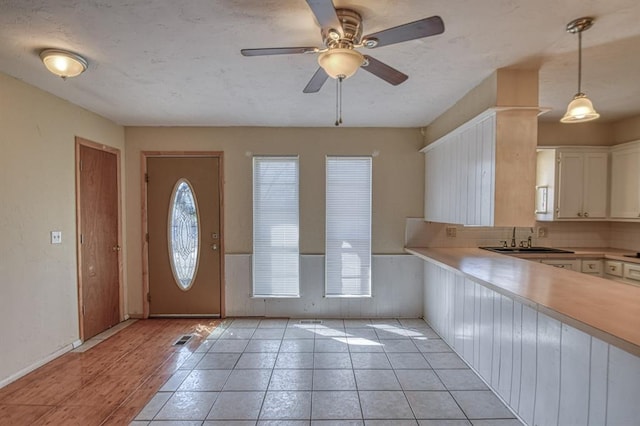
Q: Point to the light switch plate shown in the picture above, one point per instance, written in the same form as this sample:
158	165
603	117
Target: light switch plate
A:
56	237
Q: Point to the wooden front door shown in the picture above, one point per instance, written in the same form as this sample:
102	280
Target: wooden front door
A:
99	247
184	241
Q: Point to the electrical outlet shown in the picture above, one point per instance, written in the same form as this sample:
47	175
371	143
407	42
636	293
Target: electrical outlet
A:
451	231
56	237
542	232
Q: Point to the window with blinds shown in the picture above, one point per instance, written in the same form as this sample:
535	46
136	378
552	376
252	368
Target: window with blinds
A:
276	254
348	227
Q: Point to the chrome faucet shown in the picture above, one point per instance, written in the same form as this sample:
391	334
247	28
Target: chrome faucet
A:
513	237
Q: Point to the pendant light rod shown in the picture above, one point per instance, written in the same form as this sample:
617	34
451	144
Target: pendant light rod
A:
578	26
580	62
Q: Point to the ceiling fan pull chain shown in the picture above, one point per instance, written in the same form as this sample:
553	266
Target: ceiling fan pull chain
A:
340	85
337	103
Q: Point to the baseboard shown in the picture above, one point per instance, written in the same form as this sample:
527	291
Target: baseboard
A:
76	343
136	316
38	364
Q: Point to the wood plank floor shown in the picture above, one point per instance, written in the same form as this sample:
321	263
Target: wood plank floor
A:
109	383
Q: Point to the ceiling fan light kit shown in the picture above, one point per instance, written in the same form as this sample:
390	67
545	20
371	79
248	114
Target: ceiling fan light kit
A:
340	62
63	63
580	109
341	31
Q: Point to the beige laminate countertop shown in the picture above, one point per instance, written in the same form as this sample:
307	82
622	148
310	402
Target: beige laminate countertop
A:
603	308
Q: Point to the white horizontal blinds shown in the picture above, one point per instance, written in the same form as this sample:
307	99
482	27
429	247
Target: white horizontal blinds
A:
276	254
348	227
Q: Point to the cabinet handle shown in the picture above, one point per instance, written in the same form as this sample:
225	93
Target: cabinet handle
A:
586	214
591	266
613	268
579	214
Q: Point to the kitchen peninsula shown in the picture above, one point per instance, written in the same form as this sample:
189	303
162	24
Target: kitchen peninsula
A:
559	347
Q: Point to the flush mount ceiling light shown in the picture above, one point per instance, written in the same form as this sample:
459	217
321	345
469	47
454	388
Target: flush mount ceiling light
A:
62	63
580	109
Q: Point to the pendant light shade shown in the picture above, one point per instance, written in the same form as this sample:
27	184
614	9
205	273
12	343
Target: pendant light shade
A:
580	108
62	63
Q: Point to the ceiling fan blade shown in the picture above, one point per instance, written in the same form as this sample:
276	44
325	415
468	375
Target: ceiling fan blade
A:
277	51
325	14
423	28
316	82
384	71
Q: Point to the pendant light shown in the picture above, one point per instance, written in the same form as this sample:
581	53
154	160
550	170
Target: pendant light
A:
580	109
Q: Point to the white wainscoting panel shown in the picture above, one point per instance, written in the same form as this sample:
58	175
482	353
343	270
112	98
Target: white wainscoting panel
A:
548	372
623	383
397	288
574	375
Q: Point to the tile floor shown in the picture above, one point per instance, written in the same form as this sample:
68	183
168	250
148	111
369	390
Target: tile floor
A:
339	372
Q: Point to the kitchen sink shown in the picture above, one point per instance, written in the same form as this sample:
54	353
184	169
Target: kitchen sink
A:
525	250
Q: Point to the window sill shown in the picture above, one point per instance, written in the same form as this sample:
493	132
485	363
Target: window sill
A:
275	297
337	296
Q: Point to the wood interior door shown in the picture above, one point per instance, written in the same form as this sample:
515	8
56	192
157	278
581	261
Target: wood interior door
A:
99	247
184	243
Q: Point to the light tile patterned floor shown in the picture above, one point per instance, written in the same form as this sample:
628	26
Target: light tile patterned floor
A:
338	372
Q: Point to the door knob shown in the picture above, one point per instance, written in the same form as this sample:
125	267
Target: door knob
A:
214	247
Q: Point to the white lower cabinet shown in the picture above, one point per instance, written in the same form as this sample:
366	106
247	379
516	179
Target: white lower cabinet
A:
592	266
548	372
570	264
612	268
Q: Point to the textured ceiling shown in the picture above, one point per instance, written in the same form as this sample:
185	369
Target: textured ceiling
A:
167	62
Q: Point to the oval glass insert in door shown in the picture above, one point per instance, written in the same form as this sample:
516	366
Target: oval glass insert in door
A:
184	234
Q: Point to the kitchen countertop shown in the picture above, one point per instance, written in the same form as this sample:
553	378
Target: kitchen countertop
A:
603	308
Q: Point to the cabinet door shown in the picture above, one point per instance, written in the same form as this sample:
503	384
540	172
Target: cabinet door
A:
594	205
625	183
487	160
433	185
570	183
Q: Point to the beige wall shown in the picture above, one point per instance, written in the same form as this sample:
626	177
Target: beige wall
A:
627	130
398	181
504	88
594	133
480	98
38	285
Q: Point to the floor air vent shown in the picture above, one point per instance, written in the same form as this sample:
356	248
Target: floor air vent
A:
310	321
182	340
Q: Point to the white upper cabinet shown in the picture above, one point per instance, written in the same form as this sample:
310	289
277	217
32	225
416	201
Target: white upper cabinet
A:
481	174
574	182
625	181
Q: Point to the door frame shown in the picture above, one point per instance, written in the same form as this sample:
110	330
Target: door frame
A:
80	142
144	155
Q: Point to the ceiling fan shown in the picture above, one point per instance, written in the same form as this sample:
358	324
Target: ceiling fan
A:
341	31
